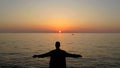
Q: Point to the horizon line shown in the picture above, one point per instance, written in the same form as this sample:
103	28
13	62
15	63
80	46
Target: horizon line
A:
59	33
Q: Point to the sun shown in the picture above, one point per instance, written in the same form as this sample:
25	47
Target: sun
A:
60	31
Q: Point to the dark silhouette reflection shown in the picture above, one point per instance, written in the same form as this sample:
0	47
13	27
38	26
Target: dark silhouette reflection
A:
57	57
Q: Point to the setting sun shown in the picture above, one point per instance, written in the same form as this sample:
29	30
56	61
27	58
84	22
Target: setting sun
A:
59	31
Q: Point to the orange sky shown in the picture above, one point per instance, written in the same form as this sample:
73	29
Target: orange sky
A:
55	15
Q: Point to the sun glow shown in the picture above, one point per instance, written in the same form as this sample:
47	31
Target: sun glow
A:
60	31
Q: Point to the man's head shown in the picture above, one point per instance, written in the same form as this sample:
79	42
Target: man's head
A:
57	45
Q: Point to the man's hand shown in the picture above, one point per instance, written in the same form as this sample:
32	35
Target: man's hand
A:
34	56
77	56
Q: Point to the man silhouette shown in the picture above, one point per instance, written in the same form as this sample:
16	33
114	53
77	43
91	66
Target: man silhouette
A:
57	57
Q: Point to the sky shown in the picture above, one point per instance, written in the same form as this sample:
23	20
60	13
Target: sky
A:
60	15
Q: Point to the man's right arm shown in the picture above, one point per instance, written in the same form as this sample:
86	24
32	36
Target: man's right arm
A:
73	55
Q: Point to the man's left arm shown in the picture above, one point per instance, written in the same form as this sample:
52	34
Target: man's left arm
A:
42	55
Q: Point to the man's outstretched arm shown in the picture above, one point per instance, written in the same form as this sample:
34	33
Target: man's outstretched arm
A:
42	55
73	55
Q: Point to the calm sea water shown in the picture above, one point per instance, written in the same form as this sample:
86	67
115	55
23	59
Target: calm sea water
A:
99	50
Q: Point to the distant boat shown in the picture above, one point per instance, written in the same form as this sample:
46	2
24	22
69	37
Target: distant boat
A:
72	34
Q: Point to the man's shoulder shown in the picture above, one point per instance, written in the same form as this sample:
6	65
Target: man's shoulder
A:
58	50
63	50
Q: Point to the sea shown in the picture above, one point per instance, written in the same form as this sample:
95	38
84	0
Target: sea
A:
99	50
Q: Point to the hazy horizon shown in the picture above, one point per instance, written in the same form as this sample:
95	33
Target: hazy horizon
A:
66	16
